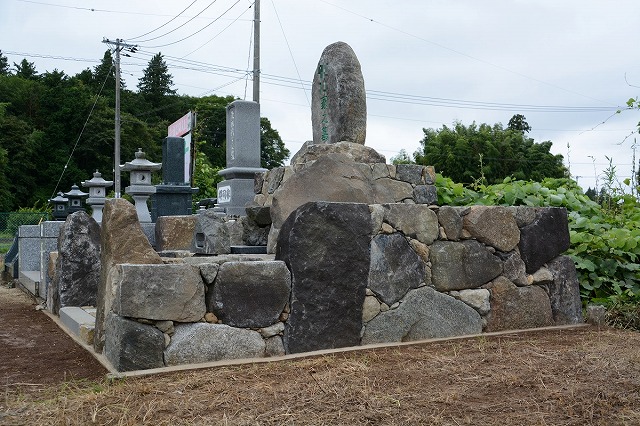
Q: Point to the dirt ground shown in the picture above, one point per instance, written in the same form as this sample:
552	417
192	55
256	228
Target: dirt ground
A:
562	377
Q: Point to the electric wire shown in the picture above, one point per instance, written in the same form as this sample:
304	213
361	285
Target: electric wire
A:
196	32
216	36
290	52
163	25
178	27
442	46
75	145
246	80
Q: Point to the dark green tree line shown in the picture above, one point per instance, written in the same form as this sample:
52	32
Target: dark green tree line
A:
488	154
42	116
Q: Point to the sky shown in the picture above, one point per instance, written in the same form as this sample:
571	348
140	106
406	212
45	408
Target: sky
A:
568	66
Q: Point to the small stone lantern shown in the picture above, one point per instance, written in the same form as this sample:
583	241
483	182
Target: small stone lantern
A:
59	206
140	179
75	199
97	194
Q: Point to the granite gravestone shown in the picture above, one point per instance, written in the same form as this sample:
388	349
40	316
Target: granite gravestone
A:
243	157
339	104
174	197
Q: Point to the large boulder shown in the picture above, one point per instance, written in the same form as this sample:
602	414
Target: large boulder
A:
77	275
202	342
545	238
326	248
423	314
250	294
338	98
332	178
123	241
173	292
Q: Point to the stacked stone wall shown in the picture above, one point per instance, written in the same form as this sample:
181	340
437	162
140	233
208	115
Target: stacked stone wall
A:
348	274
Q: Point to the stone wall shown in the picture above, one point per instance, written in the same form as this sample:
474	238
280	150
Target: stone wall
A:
348	274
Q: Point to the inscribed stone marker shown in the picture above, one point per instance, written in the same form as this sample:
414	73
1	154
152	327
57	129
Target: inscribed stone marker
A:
338	98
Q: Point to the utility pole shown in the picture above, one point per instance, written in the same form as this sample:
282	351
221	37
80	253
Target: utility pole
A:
256	52
119	45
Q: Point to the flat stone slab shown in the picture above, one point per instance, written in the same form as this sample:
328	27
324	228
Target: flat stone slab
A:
74	317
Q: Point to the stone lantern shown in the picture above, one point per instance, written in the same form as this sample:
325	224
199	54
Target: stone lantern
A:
59	207
140	179
75	199
97	194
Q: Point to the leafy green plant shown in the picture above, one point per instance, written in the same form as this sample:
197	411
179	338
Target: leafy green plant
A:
605	239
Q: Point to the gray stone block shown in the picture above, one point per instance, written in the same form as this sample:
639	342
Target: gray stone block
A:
451	222
462	265
327	291
415	221
130	345
425	194
394	267
410	173
564	291
423	314
78	264
494	226
202	342
159	292
250	294
211	235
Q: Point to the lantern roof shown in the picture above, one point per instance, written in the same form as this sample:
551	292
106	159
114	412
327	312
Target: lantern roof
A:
140	163
97	180
75	192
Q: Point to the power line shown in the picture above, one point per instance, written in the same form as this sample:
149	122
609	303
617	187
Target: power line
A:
166	23
178	27
291	53
442	46
64	169
216	36
196	32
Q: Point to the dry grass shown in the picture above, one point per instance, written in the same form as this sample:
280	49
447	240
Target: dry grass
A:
568	377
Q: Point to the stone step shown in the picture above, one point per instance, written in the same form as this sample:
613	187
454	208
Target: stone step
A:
30	280
79	321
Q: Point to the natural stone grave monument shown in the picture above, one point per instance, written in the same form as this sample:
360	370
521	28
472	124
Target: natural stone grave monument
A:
359	253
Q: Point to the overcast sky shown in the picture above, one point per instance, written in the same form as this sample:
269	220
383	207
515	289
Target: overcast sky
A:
566	65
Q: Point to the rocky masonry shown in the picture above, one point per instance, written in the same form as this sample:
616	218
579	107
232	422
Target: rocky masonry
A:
344	274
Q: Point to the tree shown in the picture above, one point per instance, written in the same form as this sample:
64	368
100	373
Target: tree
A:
104	74
487	154
403	157
156	82
26	69
519	123
4	64
272	149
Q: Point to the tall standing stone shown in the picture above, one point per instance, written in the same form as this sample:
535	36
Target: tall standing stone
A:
326	248
78	263
339	102
123	241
